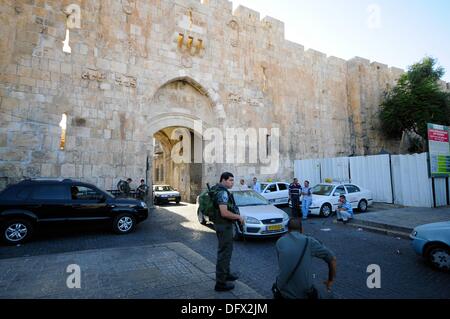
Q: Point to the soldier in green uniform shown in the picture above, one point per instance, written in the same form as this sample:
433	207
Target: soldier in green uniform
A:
223	223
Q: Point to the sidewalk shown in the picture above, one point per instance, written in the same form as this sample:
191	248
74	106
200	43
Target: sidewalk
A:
400	222
167	271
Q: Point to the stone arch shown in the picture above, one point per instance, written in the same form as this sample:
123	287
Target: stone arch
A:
207	91
180	102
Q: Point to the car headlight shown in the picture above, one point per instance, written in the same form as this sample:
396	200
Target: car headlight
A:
144	205
252	221
414	233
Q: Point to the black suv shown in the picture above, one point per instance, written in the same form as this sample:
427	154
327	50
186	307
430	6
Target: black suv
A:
30	203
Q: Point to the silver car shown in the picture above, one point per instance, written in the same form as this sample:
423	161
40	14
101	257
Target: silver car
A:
261	218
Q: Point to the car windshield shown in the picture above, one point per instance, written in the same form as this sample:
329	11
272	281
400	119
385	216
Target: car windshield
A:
323	190
249	198
163	189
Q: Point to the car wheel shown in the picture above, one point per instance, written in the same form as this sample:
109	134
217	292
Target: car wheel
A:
201	218
178	202
438	257
326	210
124	224
16	231
237	235
362	206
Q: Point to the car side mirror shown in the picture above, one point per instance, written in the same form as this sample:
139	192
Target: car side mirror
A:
267	191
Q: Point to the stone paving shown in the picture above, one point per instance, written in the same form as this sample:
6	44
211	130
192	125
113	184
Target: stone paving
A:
170	270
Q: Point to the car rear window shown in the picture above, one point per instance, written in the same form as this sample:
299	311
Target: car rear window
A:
352	189
340	190
9	193
50	192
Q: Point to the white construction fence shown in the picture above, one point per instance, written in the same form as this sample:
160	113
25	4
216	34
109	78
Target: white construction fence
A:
398	179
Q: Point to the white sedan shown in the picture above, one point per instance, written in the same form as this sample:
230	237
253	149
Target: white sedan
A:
164	194
276	193
326	198
261	218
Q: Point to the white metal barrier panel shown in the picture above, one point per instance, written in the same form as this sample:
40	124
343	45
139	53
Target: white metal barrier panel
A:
440	191
399	179
308	170
373	173
335	168
412	185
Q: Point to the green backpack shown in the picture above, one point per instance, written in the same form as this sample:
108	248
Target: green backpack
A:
207	202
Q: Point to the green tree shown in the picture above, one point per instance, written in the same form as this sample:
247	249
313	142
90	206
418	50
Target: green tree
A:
416	100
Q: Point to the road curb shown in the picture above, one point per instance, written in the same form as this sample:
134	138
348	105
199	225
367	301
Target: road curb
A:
383	229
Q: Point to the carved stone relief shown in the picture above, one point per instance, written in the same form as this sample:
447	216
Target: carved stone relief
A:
125	80
128	6
93	75
234	38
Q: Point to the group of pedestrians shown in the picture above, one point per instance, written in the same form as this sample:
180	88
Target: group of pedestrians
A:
124	187
295	251
300	194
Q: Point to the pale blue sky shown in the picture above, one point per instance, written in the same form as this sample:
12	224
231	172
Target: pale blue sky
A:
394	32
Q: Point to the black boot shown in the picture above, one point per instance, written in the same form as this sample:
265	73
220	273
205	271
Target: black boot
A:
232	277
224	286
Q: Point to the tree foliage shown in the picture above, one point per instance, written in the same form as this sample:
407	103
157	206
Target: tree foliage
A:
416	100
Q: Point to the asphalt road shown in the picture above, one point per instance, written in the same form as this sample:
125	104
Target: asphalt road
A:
403	274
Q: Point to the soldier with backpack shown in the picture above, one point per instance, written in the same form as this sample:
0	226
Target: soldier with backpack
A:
218	204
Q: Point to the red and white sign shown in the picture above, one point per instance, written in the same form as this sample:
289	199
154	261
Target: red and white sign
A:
438	136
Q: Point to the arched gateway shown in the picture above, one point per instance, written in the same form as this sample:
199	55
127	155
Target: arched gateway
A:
180	105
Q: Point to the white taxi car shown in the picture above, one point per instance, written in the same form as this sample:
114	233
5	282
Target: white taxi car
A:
261	218
325	198
277	193
164	194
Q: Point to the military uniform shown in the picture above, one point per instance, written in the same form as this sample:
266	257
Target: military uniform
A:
224	232
294	194
142	191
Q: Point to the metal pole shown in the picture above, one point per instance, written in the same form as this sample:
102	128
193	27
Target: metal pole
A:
434	192
392	180
448	190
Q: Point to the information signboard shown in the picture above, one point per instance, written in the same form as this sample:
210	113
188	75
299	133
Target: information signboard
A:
439	150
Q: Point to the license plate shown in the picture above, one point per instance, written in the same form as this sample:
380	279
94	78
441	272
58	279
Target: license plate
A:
275	228
172	198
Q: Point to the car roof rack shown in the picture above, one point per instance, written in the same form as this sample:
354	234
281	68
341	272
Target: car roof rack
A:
48	179
339	181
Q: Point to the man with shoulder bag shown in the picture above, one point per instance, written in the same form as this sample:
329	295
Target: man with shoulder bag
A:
295	253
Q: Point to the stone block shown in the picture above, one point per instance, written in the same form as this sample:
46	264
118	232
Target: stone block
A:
3	140
68	170
54	66
66	68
